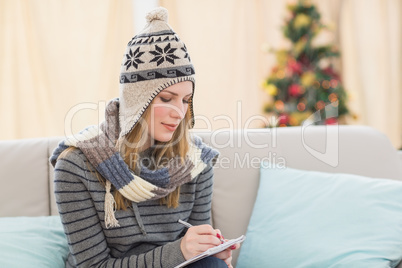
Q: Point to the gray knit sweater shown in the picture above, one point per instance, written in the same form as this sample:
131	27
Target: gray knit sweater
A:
149	234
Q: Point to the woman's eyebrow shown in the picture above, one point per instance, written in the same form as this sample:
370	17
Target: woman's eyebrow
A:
175	94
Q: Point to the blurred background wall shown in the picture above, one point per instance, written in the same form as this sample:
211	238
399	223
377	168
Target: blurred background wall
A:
60	60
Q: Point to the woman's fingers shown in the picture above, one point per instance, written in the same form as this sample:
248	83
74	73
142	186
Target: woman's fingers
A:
203	237
224	255
198	239
220	236
228	261
205	234
204	229
235	246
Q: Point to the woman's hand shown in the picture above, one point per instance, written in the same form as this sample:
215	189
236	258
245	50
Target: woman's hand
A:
198	239
226	255
202	237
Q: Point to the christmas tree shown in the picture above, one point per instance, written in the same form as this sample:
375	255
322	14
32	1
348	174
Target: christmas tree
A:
303	84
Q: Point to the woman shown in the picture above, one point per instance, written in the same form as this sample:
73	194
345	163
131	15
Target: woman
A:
121	188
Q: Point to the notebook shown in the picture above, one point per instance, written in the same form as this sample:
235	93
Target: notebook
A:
213	251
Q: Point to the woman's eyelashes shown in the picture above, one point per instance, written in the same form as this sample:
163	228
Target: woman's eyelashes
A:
167	100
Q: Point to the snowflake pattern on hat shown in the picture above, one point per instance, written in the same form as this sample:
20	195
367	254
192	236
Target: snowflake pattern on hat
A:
167	54
133	58
184	48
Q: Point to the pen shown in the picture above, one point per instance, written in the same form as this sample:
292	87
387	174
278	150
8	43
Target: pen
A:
188	225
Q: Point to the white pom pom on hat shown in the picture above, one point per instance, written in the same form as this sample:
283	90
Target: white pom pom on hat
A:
159	13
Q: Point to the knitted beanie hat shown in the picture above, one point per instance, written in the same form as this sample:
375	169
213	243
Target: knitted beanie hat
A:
155	59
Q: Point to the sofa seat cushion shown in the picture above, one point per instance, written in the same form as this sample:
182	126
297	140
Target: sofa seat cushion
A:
316	219
32	242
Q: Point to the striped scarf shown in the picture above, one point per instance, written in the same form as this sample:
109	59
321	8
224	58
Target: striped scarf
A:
98	145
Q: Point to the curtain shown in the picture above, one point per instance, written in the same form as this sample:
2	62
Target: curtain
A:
371	44
228	39
60	62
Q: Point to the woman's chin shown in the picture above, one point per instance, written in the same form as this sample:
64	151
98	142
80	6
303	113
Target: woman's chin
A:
164	138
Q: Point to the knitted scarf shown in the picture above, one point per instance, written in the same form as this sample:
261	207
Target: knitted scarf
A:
98	145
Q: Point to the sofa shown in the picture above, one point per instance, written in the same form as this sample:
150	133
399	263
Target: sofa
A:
26	176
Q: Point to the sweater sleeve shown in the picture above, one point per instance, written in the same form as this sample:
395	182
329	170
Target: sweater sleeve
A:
201	213
87	243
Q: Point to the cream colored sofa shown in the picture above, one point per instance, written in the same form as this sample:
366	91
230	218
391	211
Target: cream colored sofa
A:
26	175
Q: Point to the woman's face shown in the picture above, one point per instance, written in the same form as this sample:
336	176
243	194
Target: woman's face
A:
167	110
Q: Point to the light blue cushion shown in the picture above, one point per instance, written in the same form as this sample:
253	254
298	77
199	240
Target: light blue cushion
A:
315	219
32	242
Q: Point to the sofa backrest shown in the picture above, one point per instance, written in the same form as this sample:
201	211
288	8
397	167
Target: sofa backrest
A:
27	177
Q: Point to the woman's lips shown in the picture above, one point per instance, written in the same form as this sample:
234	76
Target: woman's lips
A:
170	127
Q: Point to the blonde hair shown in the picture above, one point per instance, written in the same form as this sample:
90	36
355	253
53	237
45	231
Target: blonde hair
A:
177	147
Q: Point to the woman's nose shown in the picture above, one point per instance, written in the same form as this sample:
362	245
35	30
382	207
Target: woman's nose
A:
178	110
